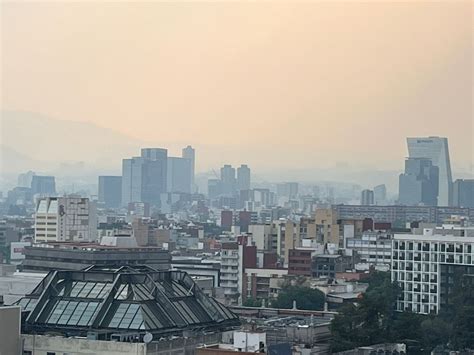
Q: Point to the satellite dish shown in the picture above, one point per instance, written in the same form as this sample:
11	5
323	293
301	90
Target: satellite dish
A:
147	338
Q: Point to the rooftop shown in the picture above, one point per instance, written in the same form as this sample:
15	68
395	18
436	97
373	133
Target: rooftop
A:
121	300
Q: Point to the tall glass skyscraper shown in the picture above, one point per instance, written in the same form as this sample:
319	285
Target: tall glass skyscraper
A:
144	178
436	149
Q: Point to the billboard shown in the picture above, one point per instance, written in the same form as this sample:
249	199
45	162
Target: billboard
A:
16	250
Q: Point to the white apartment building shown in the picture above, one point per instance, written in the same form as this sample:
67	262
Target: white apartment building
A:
231	273
373	248
425	266
61	219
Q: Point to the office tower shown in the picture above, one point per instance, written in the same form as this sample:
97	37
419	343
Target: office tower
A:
43	185
214	188
110	191
65	219
419	184
154	180
435	149
144	178
190	153
243	178
367	198
154	153
131	180
24	180
463	193
228	180
288	189
380	194
179	175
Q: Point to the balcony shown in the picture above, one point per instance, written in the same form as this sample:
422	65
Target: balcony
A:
229	262
229	256
229	278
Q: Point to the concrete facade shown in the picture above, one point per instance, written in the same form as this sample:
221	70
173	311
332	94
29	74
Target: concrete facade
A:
10	330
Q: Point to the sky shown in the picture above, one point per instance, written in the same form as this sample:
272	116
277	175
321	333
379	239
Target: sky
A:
272	84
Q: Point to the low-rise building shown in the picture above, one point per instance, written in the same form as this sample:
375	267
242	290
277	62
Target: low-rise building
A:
76	256
134	310
264	284
327	265
373	247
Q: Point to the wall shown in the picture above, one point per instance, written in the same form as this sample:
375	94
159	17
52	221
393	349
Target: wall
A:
40	345
9	330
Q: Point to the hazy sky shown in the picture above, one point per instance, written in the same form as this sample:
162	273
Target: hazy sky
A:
276	84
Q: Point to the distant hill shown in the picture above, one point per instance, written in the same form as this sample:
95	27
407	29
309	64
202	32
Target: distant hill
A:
12	161
30	137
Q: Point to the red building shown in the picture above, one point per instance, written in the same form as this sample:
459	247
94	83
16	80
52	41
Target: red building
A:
227	220
299	262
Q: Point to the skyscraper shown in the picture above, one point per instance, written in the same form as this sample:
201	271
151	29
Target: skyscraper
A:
154	153
144	178
24	180
228	182
131	180
419	184
367	197
243	177
179	175
190	153
380	194
43	185
110	191
288	189
436	149
463	193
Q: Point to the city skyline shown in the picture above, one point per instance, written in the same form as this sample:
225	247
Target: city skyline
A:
201	178
223	106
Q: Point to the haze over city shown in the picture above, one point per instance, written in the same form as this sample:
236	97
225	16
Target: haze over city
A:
237	177
290	88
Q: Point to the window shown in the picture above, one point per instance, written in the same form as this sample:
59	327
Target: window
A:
50	353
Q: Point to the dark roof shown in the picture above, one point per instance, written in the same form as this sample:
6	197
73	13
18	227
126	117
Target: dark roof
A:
126	299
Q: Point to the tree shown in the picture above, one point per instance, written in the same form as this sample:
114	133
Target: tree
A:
372	320
305	297
462	312
252	302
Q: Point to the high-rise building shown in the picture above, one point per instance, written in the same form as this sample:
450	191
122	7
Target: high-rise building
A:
43	185
419	184
110	191
436	149
214	188
154	174
425	267
179	175
24	180
243	177
463	193
154	153
190	153
288	189
65	219
228	181
144	178
380	194
131	180
367	197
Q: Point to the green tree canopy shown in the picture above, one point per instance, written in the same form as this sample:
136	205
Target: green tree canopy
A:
305	297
